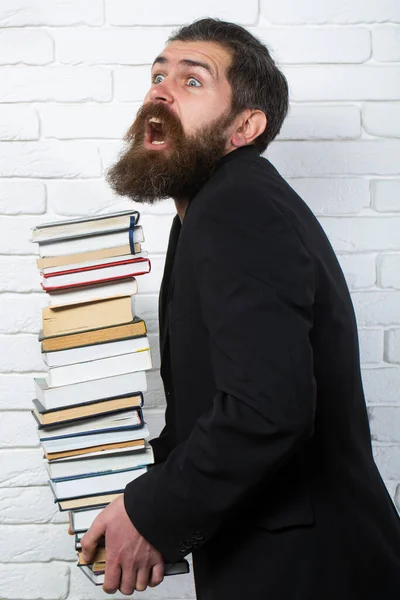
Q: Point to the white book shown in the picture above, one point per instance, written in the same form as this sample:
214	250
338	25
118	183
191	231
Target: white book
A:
89	391
102	367
179	568
84	226
88	293
94	263
95	439
99	464
100	453
81	520
110	272
93	242
94	485
127	418
59	358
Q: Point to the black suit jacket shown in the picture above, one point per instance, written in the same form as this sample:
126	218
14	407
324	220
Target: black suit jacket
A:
265	461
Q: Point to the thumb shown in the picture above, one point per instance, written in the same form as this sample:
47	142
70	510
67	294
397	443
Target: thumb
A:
91	538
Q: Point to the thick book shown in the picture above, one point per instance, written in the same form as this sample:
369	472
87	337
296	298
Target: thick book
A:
99	450
98	568
88	391
97	577
101	367
125	419
91	264
85	226
60	358
136	328
84	317
90	293
95	570
70	278
79	535
87	501
101	464
83	257
129	236
101	542
94	484
90	440
81	520
100	558
74	414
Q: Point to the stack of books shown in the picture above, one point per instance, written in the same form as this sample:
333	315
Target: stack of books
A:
88	407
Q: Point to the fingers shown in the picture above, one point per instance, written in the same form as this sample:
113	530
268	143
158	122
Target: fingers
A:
112	577
156	575
91	538
128	580
142	579
70	532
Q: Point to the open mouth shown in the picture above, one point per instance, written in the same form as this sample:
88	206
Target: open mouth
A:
155	132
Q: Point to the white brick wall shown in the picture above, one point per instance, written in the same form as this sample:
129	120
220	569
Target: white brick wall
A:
72	76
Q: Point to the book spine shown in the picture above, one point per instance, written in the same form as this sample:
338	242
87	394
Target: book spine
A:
94	267
92	432
131	236
97	474
95	281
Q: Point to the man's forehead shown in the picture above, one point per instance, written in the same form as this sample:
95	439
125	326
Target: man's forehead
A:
210	53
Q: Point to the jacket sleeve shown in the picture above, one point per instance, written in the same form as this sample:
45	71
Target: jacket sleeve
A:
256	283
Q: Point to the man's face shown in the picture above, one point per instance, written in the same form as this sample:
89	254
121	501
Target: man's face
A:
183	127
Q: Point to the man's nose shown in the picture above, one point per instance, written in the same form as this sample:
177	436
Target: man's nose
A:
161	93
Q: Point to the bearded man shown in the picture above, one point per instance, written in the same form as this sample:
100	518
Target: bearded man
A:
264	469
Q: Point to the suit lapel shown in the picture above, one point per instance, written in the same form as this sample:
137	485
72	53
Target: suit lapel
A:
166	281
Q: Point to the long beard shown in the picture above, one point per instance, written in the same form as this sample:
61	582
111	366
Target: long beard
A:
179	171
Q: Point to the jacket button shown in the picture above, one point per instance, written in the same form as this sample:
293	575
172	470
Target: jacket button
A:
198	536
182	548
187	544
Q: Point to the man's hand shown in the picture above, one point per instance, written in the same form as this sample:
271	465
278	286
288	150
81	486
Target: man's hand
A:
132	563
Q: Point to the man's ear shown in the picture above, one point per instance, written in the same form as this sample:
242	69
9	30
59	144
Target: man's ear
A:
251	124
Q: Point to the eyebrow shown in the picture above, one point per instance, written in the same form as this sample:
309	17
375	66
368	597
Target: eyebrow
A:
186	62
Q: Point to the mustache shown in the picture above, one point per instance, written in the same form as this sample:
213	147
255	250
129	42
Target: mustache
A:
172	125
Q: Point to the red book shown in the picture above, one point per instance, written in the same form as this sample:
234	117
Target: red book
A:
100	273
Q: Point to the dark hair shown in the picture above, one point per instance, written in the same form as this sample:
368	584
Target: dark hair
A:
255	79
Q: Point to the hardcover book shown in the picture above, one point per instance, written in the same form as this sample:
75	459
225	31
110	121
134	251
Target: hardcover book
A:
70	278
84	257
85	226
60	358
94	484
74	414
87	391
99	450
102	464
129	236
123	419
93	439
84	317
135	328
87	501
101	367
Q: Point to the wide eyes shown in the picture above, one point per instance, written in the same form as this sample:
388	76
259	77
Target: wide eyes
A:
191	81
158	78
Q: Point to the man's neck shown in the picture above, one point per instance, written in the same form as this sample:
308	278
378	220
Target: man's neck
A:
181	206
